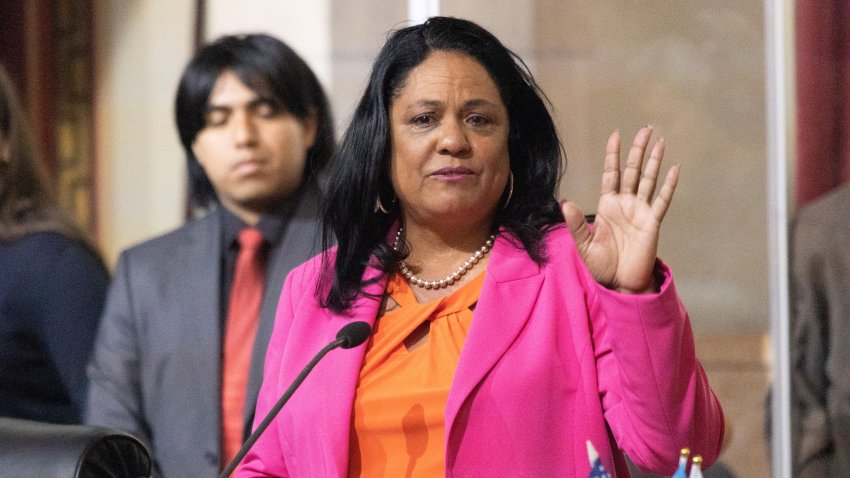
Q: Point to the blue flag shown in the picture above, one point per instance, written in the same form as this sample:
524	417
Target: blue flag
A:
597	470
683	464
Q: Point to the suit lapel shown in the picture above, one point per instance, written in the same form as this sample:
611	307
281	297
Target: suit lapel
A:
508	295
298	243
199	319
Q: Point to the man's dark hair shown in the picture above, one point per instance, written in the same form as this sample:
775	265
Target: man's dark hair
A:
276	73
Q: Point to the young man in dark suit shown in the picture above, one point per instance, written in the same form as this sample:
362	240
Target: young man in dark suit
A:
179	355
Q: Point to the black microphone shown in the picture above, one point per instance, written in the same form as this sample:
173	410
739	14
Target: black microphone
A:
348	337
353	335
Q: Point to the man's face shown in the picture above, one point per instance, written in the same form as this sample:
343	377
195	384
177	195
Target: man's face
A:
253	153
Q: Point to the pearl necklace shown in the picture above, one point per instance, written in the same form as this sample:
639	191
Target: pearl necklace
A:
451	278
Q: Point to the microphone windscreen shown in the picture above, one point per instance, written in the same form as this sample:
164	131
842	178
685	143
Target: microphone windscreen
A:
354	334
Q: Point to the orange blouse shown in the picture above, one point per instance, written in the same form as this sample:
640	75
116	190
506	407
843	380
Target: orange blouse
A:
398	422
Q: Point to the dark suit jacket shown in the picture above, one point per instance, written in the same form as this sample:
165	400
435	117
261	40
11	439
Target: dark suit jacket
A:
820	337
156	366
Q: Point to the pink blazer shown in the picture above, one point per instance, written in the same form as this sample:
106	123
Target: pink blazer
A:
552	359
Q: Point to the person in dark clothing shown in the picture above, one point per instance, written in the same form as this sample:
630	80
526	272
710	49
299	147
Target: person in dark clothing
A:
52	284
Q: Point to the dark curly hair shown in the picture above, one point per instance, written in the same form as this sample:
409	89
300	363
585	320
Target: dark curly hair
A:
361	172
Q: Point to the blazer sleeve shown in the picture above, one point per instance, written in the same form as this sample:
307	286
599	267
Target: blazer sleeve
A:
70	313
655	394
114	382
265	458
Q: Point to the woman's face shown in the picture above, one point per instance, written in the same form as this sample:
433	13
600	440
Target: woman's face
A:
449	132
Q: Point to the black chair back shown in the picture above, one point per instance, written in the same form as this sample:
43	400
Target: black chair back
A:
34	449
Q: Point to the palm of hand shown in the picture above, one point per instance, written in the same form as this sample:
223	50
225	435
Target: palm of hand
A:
620	248
621	251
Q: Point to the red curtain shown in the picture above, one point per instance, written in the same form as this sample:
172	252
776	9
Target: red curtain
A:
823	96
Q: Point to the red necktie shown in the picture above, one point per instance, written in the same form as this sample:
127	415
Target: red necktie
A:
240	330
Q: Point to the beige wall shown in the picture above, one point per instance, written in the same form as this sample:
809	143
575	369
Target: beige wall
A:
695	71
140	50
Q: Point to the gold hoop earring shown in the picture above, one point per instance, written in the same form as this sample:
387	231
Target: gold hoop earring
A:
510	190
379	206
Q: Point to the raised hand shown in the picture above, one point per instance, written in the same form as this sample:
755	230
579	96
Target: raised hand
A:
620	248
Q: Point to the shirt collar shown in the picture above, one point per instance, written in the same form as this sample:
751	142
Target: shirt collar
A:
270	225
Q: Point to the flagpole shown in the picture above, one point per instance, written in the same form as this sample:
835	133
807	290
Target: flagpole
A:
778	29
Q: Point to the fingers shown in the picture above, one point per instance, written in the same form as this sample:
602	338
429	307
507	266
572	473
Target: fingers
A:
611	167
634	162
649	177
665	195
577	224
638	178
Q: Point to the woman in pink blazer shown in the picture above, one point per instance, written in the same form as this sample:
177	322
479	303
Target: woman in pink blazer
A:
577	335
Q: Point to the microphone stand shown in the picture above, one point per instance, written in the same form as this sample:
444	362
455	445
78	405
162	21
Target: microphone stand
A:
255	435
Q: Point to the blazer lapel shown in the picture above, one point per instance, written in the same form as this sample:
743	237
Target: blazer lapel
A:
508	295
340	377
